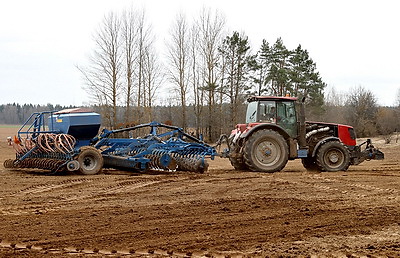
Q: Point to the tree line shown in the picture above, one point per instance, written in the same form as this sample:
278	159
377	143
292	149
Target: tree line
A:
357	107
16	114
209	70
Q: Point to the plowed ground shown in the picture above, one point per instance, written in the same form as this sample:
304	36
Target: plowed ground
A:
220	213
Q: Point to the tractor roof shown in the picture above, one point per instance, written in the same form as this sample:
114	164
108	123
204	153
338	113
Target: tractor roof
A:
256	98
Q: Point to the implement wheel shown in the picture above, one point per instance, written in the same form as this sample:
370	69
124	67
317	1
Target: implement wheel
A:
333	156
90	161
266	151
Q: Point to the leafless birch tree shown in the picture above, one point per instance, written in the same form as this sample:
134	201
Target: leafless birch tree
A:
152	79
179	57
143	41
196	80
210	28
129	38
102	76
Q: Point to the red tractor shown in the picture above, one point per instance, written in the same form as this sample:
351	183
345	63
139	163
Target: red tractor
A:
276	131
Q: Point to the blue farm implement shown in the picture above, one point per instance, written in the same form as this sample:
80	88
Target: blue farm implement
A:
69	140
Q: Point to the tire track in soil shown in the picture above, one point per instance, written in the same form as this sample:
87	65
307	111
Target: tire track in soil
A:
318	182
41	188
118	187
28	209
98	188
369	188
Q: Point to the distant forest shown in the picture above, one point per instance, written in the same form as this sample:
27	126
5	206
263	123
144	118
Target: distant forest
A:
16	114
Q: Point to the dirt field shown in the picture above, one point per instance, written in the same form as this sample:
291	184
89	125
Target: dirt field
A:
219	213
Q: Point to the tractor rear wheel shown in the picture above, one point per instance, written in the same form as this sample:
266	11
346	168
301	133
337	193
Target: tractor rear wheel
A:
266	151
333	156
90	161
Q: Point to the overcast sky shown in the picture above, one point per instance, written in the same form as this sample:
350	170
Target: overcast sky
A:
354	43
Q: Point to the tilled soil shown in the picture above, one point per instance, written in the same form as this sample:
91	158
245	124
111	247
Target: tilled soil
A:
222	212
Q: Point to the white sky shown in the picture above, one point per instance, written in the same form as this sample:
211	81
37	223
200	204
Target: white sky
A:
353	42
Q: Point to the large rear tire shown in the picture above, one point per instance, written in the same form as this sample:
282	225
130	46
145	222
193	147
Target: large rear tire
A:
266	151
333	156
90	161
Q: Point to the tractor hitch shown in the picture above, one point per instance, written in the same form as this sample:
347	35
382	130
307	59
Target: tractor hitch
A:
369	153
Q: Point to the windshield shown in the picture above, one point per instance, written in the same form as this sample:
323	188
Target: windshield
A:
251	115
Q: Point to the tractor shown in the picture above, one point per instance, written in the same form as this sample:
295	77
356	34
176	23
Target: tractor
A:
276	131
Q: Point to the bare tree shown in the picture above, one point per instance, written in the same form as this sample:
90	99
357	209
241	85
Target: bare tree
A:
179	61
397	100
102	76
334	106
210	30
129	38
152	79
144	40
361	112
196	74
386	122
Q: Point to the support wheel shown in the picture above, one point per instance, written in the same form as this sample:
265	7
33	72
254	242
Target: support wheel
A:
310	164
266	151
333	156
90	161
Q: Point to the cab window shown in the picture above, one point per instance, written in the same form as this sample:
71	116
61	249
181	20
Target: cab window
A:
267	111
251	114
286	117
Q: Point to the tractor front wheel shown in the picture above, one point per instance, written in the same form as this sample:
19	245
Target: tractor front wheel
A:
332	157
237	163
90	161
266	151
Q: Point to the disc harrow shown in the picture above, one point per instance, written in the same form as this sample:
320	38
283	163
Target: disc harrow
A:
47	151
169	151
46	164
71	142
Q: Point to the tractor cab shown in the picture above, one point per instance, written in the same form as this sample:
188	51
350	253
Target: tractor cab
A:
275	110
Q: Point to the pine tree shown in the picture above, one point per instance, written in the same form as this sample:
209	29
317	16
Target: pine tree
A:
279	70
259	65
235	53
305	80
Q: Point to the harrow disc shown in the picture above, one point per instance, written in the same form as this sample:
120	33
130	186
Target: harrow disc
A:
187	163
9	163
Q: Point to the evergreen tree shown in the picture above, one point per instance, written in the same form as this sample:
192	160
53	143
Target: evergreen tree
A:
259	65
305	80
235	53
279	71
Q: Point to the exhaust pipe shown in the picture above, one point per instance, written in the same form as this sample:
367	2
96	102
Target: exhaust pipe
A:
302	126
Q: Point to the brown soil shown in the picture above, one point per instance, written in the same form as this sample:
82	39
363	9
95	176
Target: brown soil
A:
220	213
